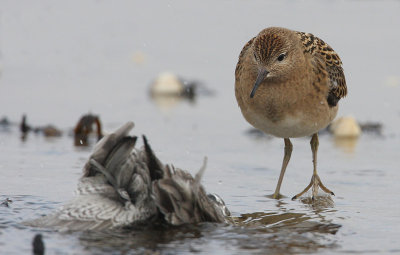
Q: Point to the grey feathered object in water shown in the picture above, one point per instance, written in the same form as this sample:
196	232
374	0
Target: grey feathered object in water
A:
123	186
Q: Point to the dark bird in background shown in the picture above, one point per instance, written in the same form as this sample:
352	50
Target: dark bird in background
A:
84	128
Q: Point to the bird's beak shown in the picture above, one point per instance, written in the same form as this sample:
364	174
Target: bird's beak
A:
262	73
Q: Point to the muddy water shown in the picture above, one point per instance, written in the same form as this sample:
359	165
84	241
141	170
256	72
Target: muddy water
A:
61	60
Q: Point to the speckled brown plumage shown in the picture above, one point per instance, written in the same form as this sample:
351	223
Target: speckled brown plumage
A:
288	84
318	48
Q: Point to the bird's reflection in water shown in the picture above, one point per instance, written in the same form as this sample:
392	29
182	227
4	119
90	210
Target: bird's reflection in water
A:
282	230
167	103
348	145
147	239
289	231
319	203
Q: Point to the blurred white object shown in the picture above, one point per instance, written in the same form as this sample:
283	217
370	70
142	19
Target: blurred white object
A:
167	84
139	58
345	127
392	81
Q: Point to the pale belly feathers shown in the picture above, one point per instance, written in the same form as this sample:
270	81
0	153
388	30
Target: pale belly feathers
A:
291	126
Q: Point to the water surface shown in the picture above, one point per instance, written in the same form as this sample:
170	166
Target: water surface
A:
61	60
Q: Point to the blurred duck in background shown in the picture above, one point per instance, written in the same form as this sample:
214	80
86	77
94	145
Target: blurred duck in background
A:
47	131
84	128
168	89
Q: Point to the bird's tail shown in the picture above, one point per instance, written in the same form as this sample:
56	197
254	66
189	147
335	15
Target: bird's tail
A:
182	199
111	149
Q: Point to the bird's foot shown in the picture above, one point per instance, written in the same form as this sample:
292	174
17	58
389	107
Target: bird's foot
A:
276	196
315	184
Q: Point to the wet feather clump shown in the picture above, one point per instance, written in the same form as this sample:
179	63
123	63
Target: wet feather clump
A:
123	187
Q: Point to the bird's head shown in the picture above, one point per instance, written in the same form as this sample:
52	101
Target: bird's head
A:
276	54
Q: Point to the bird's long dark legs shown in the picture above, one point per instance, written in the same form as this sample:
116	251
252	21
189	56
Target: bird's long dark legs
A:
315	180
285	162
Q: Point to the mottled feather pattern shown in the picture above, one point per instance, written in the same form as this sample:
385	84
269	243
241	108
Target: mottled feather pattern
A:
117	190
317	47
94	185
288	84
241	56
98	212
182	199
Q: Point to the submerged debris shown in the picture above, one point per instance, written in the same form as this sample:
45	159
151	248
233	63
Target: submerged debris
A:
5	125
6	202
38	245
124	187
372	127
24	127
84	128
48	131
4	121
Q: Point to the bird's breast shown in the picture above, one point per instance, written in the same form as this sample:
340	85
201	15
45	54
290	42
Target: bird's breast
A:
288	116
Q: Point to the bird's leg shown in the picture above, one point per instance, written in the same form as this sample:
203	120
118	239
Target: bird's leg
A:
286	158
315	180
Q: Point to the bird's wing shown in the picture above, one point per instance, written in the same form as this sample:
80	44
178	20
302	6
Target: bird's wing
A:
316	46
104	147
114	191
96	207
239	64
182	199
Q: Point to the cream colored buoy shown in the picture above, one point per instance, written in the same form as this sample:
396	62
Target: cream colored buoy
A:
167	84
345	127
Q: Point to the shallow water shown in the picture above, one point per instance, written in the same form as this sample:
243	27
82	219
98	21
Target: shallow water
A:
61	60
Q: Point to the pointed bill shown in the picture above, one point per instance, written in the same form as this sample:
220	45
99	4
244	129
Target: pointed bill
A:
262	73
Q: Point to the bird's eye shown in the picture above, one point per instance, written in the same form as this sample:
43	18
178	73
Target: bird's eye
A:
281	57
255	56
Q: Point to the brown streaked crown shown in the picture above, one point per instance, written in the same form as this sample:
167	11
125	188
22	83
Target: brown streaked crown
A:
268	45
277	52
